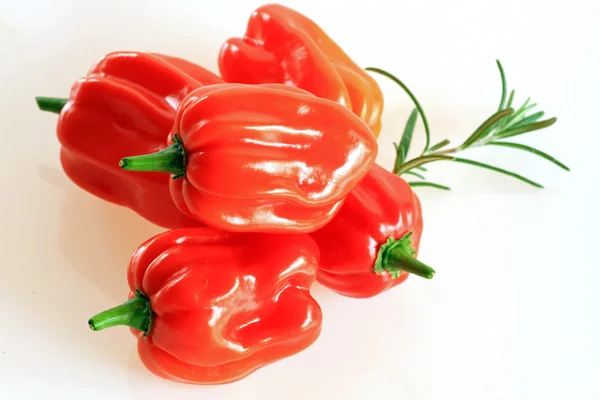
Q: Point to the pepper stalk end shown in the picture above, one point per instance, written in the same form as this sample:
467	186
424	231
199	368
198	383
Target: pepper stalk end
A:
397	255
51	104
135	313
172	160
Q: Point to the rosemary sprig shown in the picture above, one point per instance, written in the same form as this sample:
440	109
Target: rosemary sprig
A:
503	124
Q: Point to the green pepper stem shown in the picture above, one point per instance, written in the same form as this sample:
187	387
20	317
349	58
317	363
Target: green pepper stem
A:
171	160
396	256
399	259
51	104
135	313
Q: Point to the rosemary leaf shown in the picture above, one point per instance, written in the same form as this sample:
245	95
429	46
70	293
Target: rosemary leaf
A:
475	136
415	162
496	169
518	116
404	145
413	173
513	118
503	122
524	129
510	99
413	98
429	184
529	119
503	78
438	146
531	150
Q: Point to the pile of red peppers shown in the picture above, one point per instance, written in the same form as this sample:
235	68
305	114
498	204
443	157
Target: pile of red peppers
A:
265	180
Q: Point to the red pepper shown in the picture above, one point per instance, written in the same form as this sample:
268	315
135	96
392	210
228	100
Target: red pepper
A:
212	307
264	158
370	245
283	46
126	104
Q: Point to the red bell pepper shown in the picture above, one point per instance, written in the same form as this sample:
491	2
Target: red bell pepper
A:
371	244
126	104
283	46
211	307
263	158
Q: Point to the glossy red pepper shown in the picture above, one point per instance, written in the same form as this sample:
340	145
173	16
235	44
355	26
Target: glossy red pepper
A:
126	104
283	46
371	244
211	307
263	158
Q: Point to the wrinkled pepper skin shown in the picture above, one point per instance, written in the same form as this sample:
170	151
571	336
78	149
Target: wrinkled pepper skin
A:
283	46
210	307
126	104
262	158
382	206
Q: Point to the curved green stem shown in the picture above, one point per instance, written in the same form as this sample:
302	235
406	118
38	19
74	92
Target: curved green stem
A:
397	255
412	97
51	104
503	79
171	160
135	313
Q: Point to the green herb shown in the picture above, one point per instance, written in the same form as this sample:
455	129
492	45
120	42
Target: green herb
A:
413	98
504	123
404	145
430	184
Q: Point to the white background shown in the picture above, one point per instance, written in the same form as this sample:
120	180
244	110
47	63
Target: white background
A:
513	310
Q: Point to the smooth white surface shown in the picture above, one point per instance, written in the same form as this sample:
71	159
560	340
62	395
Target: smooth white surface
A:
511	314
